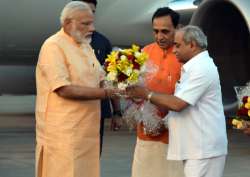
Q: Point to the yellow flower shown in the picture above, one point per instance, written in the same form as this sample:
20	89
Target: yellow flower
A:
124	66
127	52
133	78
135	48
112	67
237	123
248	113
112	57
141	57
247	105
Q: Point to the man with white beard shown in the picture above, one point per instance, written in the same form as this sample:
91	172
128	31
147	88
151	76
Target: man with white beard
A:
68	76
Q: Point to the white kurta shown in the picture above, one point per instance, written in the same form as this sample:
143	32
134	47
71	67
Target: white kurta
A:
199	131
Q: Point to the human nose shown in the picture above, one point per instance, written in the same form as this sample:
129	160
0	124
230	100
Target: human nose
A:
174	50
92	27
159	35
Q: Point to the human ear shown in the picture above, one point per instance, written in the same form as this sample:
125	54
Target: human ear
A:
192	44
67	21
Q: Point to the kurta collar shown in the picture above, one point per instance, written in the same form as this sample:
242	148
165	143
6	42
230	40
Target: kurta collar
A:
169	50
193	61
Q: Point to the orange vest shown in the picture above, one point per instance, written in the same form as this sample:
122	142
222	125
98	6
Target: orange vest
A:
163	82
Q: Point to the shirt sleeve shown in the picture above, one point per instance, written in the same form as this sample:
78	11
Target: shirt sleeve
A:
52	64
192	87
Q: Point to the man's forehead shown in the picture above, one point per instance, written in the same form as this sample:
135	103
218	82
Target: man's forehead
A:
161	28
84	14
179	34
177	38
167	20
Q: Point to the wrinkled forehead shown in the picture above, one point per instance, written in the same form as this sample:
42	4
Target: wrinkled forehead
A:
178	36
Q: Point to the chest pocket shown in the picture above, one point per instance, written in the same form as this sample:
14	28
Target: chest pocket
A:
83	66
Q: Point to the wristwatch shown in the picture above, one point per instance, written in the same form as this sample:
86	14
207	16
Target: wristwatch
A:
149	96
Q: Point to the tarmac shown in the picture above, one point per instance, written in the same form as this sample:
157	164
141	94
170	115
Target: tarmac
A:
17	144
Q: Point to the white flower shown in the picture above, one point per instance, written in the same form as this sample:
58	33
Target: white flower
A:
122	85
136	71
143	68
128	71
111	76
137	54
123	57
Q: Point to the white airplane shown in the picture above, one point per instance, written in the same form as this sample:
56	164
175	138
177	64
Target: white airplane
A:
27	23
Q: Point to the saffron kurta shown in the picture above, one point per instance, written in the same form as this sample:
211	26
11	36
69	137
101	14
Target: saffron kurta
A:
67	131
150	157
163	81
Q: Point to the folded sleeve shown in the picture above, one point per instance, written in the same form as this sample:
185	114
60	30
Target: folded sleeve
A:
52	63
192	87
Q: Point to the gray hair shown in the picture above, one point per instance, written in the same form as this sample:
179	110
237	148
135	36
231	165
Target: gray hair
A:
72	7
194	33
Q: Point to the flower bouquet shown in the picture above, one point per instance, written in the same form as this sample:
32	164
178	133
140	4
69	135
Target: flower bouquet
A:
124	67
242	118
127	67
146	113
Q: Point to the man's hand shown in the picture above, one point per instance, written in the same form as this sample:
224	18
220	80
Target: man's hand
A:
137	92
114	93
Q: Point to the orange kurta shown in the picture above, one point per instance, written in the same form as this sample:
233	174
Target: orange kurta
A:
163	81
67	131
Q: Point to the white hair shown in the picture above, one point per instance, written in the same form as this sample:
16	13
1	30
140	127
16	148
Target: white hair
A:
194	33
71	8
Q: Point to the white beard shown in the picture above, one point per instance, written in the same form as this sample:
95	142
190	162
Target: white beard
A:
79	37
88	39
